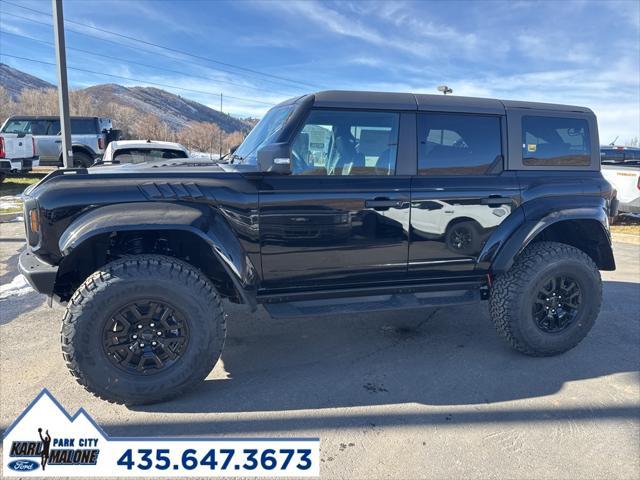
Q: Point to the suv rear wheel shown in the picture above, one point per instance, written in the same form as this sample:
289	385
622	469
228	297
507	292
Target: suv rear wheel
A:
82	160
143	329
549	299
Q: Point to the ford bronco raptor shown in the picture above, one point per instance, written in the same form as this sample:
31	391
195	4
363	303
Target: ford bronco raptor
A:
335	202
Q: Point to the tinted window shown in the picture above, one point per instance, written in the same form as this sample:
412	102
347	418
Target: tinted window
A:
54	127
139	155
339	142
453	144
553	141
17	126
80	126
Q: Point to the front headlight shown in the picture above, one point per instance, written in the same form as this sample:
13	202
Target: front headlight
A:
32	221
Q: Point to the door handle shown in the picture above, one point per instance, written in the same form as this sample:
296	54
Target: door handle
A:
58	141
496	200
383	203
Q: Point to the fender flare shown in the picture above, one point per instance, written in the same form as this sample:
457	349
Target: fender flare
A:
523	235
194	219
81	147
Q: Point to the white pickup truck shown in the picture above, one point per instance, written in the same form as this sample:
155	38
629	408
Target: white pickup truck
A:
18	153
621	168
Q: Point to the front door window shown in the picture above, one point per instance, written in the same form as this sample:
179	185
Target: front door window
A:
338	142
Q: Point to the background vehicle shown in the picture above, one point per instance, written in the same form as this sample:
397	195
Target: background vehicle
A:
621	168
144	255
18	152
89	137
139	151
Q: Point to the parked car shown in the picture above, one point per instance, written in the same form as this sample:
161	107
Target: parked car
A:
140	151
621	168
18	153
89	137
142	257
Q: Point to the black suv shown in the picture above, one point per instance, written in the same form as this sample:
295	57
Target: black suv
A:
336	202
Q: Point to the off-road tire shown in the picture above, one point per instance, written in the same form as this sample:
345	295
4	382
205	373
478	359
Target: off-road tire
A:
82	160
122	281
513	294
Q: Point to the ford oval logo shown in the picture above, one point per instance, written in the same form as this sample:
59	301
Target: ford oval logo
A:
23	465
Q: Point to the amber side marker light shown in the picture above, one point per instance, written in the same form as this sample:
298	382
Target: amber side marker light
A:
33	220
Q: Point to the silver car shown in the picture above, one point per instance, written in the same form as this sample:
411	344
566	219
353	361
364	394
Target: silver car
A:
89	137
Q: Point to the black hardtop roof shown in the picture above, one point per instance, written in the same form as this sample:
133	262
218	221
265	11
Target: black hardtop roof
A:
423	101
50	117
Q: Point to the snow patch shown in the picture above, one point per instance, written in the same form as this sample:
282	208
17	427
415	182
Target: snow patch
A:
17	288
10	202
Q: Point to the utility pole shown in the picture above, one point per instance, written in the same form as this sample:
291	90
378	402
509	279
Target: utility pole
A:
220	132
63	89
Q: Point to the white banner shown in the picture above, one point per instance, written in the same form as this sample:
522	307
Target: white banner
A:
45	441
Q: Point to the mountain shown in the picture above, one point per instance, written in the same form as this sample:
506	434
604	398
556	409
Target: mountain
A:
172	109
15	81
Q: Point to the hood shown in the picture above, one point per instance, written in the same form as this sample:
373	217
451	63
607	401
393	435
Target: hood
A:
161	163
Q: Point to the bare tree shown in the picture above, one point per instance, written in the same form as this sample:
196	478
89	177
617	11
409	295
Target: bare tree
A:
7	105
38	102
199	136
231	140
151	127
633	142
123	118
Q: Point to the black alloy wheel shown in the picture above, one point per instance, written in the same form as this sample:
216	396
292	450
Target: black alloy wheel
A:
557	304
145	337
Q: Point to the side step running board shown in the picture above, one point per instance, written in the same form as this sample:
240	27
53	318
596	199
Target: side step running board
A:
403	301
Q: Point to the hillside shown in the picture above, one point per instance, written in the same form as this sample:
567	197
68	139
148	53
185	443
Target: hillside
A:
171	109
15	81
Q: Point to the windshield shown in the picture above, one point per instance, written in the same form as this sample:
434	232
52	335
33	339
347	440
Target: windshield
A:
262	134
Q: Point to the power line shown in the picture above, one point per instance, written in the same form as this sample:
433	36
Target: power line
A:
175	50
248	100
137	48
102	55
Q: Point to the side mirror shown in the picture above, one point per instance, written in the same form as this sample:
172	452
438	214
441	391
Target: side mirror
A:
233	148
275	158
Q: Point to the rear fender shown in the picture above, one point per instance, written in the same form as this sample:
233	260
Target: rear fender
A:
583	223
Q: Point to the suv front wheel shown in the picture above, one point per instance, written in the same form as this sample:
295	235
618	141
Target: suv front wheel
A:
143	329
549	299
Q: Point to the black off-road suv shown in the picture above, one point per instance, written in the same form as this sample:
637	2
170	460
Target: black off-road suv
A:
336	202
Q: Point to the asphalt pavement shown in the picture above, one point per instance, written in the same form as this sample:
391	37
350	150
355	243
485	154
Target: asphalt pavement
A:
432	394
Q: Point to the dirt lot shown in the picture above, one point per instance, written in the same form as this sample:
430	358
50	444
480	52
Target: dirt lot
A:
422	394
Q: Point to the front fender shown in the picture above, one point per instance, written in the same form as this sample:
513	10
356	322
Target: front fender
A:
200	220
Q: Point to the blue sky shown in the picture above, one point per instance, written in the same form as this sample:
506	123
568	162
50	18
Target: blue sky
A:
578	52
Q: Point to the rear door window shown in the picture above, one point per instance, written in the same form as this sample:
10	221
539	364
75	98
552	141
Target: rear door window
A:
456	144
83	126
555	141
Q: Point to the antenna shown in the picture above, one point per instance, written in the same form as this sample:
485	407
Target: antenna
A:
444	89
614	141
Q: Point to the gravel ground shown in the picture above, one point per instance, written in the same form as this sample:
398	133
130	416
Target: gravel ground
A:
404	395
